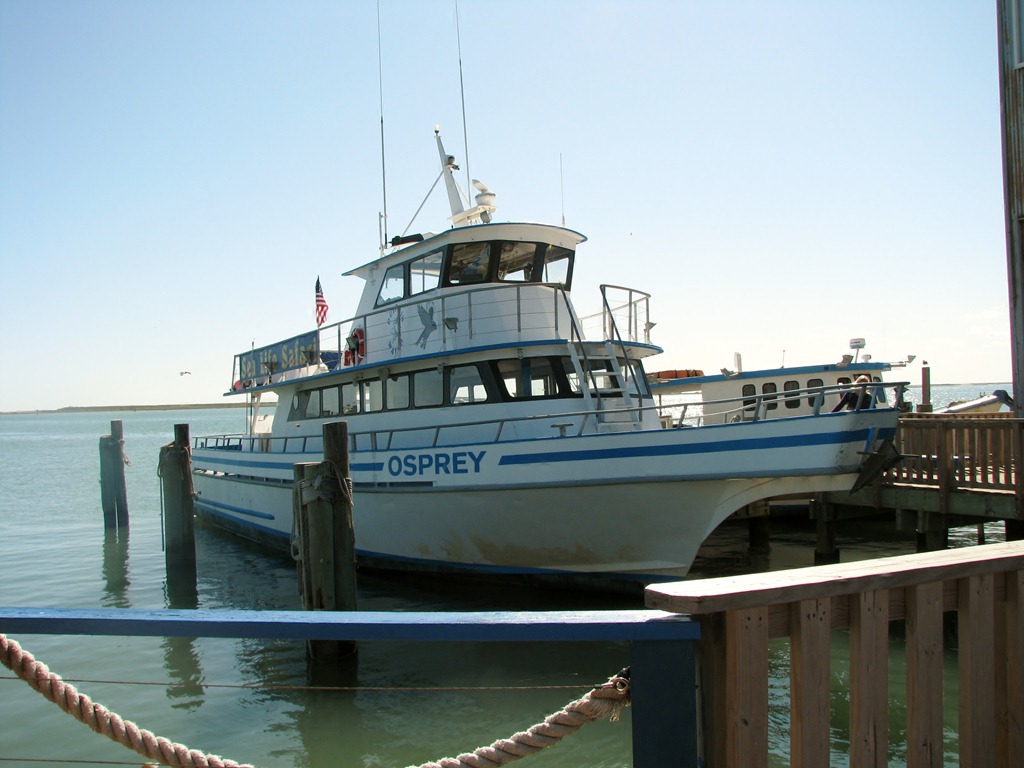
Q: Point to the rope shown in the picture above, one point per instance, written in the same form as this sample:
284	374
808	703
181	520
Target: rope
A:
99	718
606	700
603	701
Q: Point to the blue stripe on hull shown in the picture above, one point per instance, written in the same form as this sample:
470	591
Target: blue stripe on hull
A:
768	443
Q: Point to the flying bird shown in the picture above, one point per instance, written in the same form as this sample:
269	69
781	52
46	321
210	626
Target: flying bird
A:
185	373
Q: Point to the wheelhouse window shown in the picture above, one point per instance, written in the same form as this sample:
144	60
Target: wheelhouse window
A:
769	390
392	287
516	262
425	272
470	263
557	265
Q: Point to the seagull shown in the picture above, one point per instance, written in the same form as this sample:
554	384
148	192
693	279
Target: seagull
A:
185	373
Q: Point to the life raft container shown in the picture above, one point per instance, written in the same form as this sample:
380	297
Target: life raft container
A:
355	347
681	373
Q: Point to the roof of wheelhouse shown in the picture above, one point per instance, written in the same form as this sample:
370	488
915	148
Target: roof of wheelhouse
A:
515	231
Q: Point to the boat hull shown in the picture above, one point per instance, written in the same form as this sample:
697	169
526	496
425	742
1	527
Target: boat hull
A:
633	505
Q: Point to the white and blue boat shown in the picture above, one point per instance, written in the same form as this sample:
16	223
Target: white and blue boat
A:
494	431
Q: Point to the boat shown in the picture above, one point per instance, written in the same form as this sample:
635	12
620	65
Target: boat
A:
689	396
493	431
998	401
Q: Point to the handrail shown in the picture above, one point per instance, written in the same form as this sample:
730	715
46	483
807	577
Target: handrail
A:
758	413
958	451
739	614
330	338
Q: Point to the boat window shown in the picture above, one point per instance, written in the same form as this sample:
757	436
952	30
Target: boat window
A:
349	398
397	392
427	388
769	390
794	400
372	395
329	402
425	272
537	377
571	379
811	384
558	265
637	385
312	410
843	380
392	287
516	262
298	407
470	263
749	390
465	385
604	379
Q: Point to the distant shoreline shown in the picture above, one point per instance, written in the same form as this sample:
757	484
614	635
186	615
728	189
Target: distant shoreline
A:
101	408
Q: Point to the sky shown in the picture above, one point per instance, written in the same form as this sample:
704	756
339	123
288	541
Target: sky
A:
781	176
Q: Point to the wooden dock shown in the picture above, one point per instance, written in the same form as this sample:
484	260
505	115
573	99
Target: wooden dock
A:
957	470
738	615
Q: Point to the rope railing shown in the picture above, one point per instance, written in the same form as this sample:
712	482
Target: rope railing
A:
603	701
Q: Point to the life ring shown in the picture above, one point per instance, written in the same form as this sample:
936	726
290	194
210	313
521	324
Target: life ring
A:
355	347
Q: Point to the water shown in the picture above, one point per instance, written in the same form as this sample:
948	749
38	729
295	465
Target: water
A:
246	700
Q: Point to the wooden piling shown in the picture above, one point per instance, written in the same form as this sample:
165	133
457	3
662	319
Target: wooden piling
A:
322	505
179	513
825	550
925	406
113	492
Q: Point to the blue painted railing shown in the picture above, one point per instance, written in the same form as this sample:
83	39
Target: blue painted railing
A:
662	683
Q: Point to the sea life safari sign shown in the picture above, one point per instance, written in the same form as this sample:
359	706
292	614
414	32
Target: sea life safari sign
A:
288	355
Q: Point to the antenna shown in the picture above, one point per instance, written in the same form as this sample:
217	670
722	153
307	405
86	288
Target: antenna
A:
383	167
561	186
462	93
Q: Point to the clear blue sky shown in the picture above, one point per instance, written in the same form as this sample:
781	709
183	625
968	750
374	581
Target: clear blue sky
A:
781	176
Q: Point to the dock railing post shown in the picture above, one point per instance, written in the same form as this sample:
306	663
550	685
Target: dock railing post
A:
664	703
322	505
179	514
113	493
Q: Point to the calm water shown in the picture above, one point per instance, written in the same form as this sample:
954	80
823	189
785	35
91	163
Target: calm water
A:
243	699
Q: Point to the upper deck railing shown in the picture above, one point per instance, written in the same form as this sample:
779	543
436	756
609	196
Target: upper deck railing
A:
572	421
443	321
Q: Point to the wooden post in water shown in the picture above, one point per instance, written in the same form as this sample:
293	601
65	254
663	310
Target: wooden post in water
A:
179	513
825	550
113	493
322	505
925	406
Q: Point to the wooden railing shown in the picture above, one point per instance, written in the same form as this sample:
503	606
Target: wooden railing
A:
952	451
661	648
738	616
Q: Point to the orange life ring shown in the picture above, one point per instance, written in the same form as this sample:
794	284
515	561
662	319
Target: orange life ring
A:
355	347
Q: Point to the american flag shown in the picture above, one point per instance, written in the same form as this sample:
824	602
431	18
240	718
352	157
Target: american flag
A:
321	305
